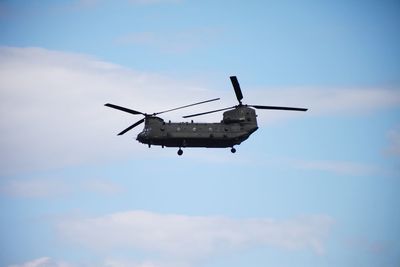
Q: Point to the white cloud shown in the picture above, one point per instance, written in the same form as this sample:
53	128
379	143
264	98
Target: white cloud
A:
323	101
34	188
42	262
48	262
56	187
53	115
172	240
193	237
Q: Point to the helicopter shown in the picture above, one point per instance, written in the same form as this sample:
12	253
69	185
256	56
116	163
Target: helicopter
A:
238	123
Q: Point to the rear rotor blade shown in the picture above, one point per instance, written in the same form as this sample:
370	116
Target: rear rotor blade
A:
278	108
131	111
132	126
198	103
208	112
237	89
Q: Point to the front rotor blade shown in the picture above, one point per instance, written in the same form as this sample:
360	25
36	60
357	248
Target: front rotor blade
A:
131	111
208	112
132	126
278	108
198	103
237	89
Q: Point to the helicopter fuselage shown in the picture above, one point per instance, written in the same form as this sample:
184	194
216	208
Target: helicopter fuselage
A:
237	125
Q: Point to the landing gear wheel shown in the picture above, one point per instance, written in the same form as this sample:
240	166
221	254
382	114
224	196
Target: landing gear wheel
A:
233	150
180	152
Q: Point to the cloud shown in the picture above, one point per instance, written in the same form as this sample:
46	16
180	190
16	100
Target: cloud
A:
325	101
34	188
337	167
182	236
147	263
394	142
103	187
42	262
48	262
368	245
57	187
53	115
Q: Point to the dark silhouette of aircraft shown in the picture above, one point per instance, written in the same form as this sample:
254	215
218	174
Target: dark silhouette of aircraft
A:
238	123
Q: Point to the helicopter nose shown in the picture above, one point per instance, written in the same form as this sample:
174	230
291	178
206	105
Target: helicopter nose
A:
141	137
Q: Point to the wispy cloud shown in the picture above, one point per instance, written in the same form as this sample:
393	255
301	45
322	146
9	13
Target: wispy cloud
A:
102	187
325	101
34	188
194	237
42	262
394	142
146	263
336	167
53	110
49	262
368	245
56	187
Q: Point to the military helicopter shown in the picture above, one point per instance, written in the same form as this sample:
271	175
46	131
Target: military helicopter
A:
238	123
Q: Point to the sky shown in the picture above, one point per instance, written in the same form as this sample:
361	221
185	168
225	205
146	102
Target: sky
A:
319	188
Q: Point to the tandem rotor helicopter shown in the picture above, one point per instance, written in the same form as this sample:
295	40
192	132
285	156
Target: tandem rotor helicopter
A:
238	123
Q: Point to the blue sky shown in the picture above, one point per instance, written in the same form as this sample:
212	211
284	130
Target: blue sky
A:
313	189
